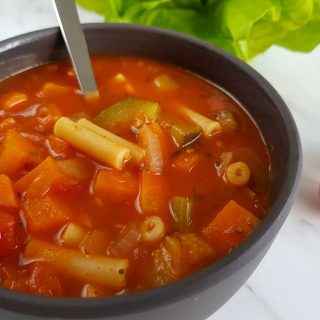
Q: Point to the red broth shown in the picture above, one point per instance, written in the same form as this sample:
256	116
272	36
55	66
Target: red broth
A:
72	224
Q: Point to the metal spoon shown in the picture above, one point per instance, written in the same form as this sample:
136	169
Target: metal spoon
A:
72	32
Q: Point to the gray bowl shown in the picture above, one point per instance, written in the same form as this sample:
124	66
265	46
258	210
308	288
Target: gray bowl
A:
202	293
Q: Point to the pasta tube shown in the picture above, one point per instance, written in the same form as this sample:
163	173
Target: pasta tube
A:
101	270
207	125
91	143
137	153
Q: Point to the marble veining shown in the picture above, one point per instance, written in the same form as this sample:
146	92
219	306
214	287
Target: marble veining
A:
286	284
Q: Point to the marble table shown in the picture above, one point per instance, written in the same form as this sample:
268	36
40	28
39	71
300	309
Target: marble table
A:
286	284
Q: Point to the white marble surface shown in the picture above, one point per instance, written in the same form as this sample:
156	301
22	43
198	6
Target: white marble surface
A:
286	284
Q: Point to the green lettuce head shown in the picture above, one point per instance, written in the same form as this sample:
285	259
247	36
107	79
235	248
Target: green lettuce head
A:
243	27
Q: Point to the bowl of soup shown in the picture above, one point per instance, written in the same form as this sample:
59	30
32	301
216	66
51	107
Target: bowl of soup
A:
156	198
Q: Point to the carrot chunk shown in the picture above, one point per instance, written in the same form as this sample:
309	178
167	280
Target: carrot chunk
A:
45	214
8	240
115	185
46	165
15	151
8	197
153	198
14	101
230	227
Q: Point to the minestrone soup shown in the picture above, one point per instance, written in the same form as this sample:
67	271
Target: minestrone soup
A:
158	176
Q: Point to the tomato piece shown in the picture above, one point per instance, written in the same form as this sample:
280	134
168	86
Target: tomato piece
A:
39	278
8	239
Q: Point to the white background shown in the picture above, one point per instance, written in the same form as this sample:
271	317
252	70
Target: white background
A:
286	285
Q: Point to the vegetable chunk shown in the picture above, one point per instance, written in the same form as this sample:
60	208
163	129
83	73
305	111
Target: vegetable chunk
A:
8	240
15	151
115	185
153	198
230	227
122	115
24	182
8	197
153	142
178	254
183	132
45	214
102	270
181	209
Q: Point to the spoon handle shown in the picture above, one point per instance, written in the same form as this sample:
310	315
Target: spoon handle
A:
72	32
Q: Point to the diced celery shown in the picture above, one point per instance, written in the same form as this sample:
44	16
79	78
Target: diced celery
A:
122	115
181	209
183	132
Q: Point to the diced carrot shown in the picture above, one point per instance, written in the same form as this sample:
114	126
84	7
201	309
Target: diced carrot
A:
8	240
186	160
230	227
115	185
39	278
46	165
153	197
45	214
14	101
8	197
6	124
14	152
47	116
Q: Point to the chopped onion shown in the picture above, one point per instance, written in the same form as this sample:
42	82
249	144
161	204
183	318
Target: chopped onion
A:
127	241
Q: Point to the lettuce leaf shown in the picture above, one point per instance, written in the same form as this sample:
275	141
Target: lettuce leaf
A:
242	27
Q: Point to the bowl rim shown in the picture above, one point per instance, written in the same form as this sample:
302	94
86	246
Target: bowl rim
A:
204	278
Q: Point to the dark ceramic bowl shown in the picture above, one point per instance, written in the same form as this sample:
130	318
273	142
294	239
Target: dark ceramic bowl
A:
201	294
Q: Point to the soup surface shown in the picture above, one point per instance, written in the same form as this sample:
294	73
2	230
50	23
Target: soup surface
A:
158	176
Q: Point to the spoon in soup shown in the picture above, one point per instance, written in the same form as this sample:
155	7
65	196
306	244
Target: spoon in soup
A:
75	41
